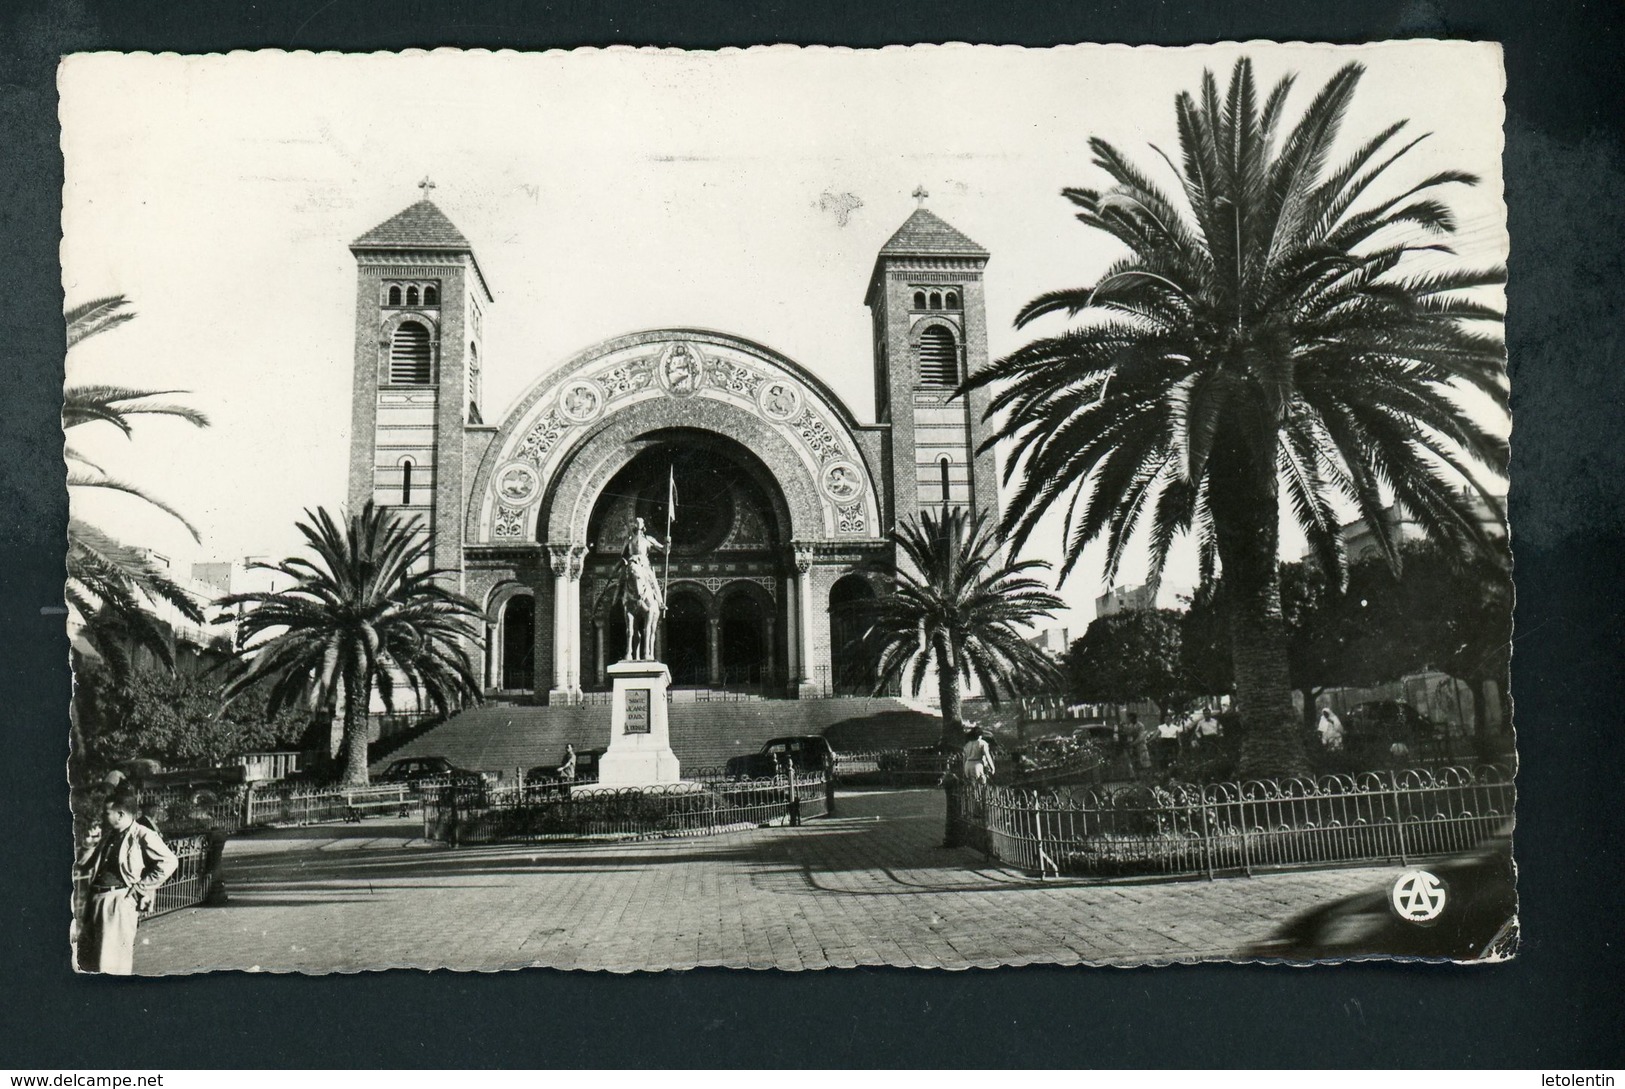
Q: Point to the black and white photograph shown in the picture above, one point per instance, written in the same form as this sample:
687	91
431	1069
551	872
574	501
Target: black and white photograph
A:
635	509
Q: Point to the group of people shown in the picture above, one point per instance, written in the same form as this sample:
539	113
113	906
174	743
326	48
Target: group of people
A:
124	860
1201	727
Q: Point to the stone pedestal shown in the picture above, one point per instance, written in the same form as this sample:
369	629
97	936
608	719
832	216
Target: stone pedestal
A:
639	742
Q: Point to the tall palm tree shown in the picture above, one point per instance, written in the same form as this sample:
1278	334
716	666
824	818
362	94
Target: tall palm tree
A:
1268	329
365	611
112	586
958	606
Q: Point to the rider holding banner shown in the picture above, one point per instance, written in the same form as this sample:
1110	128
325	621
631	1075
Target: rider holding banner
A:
642	595
635	554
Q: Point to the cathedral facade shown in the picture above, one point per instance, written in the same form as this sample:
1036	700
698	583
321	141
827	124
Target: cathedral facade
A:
783	499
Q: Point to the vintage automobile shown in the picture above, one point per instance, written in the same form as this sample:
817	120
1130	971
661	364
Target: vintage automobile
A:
807	753
437	769
1388	721
1474	904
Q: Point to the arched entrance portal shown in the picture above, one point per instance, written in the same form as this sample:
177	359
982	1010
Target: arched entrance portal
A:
745	650
519	643
727	563
852	605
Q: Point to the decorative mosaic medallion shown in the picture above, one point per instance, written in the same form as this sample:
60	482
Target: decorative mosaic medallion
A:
580	401
682	370
842	481
779	400
517	483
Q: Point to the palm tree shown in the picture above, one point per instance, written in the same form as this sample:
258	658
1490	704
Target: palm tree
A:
365	611
112	404
1268	329
958	606
111	585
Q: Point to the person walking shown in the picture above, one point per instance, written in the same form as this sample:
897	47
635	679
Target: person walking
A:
978	757
125	862
567	769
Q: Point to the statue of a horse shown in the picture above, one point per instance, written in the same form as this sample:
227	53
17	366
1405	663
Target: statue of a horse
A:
641	604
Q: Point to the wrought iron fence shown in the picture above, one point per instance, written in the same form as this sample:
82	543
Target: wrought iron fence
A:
194	877
1233	827
187	809
544	813
330	803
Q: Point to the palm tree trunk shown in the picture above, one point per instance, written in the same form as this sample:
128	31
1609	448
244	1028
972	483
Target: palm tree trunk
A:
1270	741
953	726
355	725
1245	501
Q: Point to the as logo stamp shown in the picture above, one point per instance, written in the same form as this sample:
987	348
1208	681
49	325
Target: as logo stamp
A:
1418	896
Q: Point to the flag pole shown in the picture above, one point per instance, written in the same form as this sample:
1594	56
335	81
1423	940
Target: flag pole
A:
671	511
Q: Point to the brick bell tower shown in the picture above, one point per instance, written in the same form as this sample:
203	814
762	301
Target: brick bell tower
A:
420	297
930	331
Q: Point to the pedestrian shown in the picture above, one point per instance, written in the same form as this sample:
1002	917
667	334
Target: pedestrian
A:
1137	744
125	863
1207	729
567	768
978	757
1330	729
1168	741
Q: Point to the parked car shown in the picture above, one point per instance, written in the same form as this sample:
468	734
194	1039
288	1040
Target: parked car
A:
1388	721
417	769
807	753
1093	731
1477	915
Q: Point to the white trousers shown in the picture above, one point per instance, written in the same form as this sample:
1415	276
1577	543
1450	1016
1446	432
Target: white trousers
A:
107	939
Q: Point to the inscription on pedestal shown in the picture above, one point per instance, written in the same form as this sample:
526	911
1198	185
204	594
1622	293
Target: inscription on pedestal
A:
637	710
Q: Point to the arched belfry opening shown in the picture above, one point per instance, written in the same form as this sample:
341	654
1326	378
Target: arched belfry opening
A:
726	570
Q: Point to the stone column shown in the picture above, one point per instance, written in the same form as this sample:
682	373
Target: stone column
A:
599	664
804	612
792	635
565	621
713	647
578	555
772	668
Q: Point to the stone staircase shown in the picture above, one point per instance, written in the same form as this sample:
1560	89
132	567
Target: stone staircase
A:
503	737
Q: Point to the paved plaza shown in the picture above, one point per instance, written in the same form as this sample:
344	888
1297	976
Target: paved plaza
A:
870	886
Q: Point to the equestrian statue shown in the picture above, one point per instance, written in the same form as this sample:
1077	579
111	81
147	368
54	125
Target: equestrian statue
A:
642	599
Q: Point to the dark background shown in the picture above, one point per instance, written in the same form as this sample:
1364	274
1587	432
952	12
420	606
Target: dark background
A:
1558	1005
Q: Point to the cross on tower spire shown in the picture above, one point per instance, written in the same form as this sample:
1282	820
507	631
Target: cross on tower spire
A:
920	194
425	185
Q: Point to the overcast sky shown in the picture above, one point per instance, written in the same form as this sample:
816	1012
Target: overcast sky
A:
605	192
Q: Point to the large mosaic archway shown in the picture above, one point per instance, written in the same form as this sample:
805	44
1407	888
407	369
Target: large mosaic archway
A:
535	510
540	475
